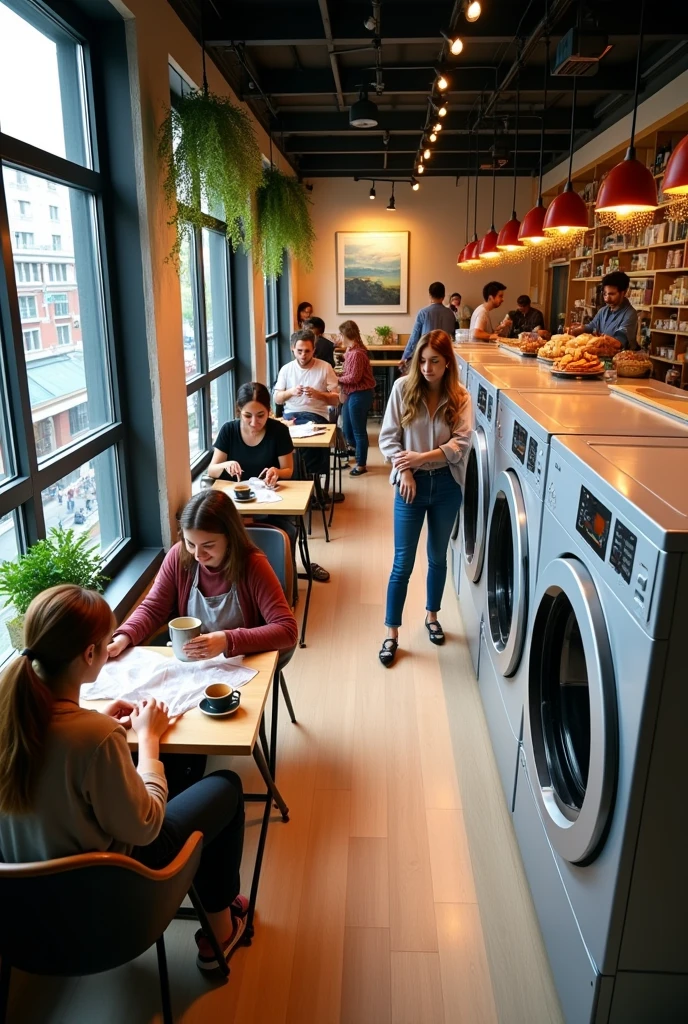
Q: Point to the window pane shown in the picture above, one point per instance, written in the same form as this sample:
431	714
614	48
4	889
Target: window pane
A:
216	296
187	280
221	402
88	501
6	459
9	549
70	365
193	410
41	84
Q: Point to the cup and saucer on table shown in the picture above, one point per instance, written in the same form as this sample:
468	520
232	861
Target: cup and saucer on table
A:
243	493
220	700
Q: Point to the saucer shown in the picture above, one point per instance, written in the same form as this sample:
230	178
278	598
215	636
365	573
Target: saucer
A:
207	710
250	497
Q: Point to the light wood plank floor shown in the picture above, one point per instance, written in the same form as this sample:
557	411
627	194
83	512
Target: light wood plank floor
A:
395	895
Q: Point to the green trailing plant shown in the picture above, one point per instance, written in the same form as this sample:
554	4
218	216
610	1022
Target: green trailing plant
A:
385	333
284	222
210	154
61	558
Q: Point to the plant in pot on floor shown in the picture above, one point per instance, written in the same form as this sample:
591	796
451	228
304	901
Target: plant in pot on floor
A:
61	558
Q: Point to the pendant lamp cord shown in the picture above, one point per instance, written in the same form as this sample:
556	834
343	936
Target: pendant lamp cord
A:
544	101
518	111
468	182
477	162
205	77
631	147
573	121
494	167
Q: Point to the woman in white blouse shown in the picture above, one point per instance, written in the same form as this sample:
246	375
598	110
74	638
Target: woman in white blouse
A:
425	435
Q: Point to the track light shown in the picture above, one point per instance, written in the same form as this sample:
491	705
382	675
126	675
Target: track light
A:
473	10
369	23
414	185
437	127
442	83
372	191
421	169
433	137
427	154
391	206
442	112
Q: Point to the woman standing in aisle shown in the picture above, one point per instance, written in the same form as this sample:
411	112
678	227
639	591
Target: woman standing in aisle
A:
358	387
425	435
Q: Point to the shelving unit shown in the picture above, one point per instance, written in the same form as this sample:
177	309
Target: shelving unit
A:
643	257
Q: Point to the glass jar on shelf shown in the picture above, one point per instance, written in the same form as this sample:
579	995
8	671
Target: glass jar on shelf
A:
673	377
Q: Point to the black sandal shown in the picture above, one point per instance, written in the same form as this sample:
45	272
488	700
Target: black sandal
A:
388	654
436	634
358	471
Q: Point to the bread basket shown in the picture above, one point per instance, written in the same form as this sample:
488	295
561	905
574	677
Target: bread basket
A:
626	369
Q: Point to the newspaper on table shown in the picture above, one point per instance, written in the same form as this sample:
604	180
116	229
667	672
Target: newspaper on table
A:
138	674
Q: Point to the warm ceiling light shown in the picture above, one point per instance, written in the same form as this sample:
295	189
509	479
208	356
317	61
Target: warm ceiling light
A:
532	226
675	181
433	136
427	154
414	185
488	246
392	205
473	11
507	240
363	113
567	214
437	127
420	168
442	112
372	191
456	46
442	83
470	257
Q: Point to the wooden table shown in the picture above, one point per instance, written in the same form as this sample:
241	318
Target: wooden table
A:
385	348
196	733
323	439
296	499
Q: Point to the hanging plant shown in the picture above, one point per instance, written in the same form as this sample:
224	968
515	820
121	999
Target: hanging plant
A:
211	156
284	222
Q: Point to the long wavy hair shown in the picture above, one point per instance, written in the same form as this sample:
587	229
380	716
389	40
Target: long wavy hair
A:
61	623
350	330
416	388
214	512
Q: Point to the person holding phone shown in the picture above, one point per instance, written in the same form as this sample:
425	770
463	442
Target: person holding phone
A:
68	784
426	435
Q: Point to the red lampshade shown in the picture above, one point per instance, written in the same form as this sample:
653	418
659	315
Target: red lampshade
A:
508	239
566	214
488	246
462	255
675	181
531	231
628	188
471	254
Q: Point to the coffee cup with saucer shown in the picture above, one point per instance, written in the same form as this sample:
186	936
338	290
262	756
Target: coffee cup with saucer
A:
219	700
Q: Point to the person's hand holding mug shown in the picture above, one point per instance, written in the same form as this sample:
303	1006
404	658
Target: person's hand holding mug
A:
207	645
117	645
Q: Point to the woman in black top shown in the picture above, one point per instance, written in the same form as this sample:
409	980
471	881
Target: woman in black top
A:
254	442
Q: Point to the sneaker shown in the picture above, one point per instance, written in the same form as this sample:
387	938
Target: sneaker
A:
206	959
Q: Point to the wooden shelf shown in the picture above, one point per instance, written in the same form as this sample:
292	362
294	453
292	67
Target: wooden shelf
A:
667	245
663	330
671	270
661	359
666	305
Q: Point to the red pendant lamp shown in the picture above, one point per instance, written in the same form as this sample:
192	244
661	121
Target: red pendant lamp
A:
471	259
629	189
675	181
462	255
531	233
567	214
508	240
487	249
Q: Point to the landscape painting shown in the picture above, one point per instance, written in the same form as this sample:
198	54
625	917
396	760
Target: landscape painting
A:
372	271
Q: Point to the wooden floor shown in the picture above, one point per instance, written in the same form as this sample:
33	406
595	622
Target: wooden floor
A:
395	895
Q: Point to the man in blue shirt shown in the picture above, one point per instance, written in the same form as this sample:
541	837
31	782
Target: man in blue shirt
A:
435	317
617	318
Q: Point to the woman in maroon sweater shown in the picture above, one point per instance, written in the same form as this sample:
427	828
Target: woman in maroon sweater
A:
217	575
358	387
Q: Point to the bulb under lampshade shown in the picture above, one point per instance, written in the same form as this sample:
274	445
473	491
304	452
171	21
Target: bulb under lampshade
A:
567	214
628	188
471	254
488	246
508	240
531	231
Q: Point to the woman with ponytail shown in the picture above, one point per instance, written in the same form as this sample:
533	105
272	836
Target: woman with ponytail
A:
68	784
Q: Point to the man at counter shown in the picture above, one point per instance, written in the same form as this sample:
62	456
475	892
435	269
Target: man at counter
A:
617	317
434	317
481	324
526	318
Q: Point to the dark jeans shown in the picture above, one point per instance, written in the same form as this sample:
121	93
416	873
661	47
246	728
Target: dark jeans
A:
439	497
354	421
215	807
316	460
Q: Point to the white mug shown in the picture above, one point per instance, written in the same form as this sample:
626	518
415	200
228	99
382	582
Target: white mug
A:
182	630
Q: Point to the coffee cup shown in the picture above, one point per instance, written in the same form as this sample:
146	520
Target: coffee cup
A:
219	696
242	492
183	629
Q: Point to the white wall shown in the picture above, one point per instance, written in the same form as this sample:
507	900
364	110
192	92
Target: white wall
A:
435	216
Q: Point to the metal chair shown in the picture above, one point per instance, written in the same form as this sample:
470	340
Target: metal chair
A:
276	546
93	912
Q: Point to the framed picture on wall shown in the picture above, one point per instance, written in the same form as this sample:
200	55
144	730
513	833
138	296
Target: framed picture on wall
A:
372	271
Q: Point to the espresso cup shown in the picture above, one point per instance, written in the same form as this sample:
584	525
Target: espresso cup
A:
219	696
183	629
242	492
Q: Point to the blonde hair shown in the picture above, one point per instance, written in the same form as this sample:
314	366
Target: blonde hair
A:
415	387
60	624
350	330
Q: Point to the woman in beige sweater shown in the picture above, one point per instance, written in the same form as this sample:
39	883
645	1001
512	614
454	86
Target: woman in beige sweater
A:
68	784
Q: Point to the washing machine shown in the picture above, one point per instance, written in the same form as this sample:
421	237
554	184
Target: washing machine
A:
480	351
600	811
526	422
485	382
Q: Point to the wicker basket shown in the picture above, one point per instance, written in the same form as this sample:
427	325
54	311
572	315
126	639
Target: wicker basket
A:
626	369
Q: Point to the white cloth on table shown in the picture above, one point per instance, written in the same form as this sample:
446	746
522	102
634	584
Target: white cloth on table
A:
307	429
138	674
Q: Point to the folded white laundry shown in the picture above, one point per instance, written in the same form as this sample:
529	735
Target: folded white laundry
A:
138	674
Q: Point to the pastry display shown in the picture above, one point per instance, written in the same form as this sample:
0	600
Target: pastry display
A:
529	345
579	362
605	346
632	364
555	347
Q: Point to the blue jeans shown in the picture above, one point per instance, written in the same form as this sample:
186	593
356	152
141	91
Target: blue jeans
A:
354	420
439	496
315	460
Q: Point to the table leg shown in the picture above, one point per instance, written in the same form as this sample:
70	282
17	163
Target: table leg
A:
308	575
321	501
273	791
272	759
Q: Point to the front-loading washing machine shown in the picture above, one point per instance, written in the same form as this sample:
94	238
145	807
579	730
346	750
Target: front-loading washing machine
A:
526	422
600	811
479	351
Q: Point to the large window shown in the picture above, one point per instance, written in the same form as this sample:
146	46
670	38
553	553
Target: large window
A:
62	458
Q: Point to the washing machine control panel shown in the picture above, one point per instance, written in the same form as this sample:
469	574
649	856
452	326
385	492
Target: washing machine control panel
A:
526	449
484	402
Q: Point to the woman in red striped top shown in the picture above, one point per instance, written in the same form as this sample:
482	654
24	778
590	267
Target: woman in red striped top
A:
358	387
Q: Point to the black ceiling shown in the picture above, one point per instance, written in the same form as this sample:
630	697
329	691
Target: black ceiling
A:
299	64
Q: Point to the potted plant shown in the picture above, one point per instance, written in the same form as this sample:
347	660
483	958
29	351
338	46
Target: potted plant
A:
384	335
211	157
284	222
61	558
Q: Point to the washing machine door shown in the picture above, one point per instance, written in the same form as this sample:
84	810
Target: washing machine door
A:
507	573
476	495
571	727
